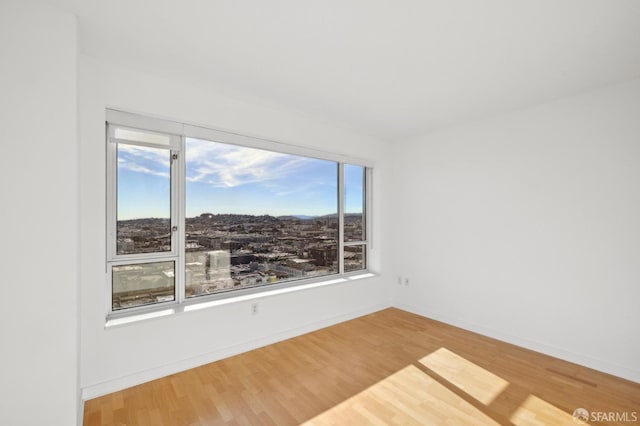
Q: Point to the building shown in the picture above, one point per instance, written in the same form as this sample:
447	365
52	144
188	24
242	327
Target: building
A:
214	243
324	255
217	264
505	182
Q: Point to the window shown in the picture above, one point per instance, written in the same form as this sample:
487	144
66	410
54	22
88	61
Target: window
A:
196	212
142	249
355	253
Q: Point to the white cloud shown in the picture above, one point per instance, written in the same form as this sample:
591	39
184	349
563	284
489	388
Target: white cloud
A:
152	161
228	166
124	164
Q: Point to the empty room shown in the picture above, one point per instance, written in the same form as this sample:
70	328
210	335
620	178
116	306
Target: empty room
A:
326	213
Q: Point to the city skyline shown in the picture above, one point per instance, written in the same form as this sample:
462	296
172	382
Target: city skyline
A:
230	179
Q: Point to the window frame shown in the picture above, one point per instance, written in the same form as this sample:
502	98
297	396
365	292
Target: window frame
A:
178	133
365	213
115	259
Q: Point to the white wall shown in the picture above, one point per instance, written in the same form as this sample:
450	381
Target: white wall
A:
118	357
526	227
39	193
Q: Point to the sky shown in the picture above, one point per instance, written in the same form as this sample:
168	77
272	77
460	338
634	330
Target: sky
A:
223	178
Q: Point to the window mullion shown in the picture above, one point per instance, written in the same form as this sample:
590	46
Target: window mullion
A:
368	206
111	242
341	217
112	199
179	200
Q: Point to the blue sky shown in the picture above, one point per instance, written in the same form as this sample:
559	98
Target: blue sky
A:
143	182
224	178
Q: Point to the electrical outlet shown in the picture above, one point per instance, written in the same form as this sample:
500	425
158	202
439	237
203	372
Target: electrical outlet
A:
406	281
399	280
254	308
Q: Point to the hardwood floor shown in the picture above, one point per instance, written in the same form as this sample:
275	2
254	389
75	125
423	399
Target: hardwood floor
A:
390	367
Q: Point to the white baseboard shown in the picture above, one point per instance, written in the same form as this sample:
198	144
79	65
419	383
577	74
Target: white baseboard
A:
103	388
596	364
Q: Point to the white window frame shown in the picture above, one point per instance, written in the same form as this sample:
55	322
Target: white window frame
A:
365	212
178	132
113	258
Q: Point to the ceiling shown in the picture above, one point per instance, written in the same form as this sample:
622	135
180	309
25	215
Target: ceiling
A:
391	69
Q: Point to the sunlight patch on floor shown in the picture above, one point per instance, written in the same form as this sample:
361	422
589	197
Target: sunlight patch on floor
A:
467	376
535	411
408	397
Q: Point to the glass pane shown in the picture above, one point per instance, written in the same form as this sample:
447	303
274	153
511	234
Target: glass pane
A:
142	284
354	190
355	258
144	200
256	217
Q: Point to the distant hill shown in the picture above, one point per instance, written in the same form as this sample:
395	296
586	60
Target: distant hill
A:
226	217
307	217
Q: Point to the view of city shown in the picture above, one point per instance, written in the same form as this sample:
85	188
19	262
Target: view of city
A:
280	228
226	252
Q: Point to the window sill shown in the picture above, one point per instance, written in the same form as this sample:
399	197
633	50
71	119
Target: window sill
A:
196	305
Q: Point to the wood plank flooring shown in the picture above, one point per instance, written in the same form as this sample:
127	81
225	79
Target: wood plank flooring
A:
390	367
